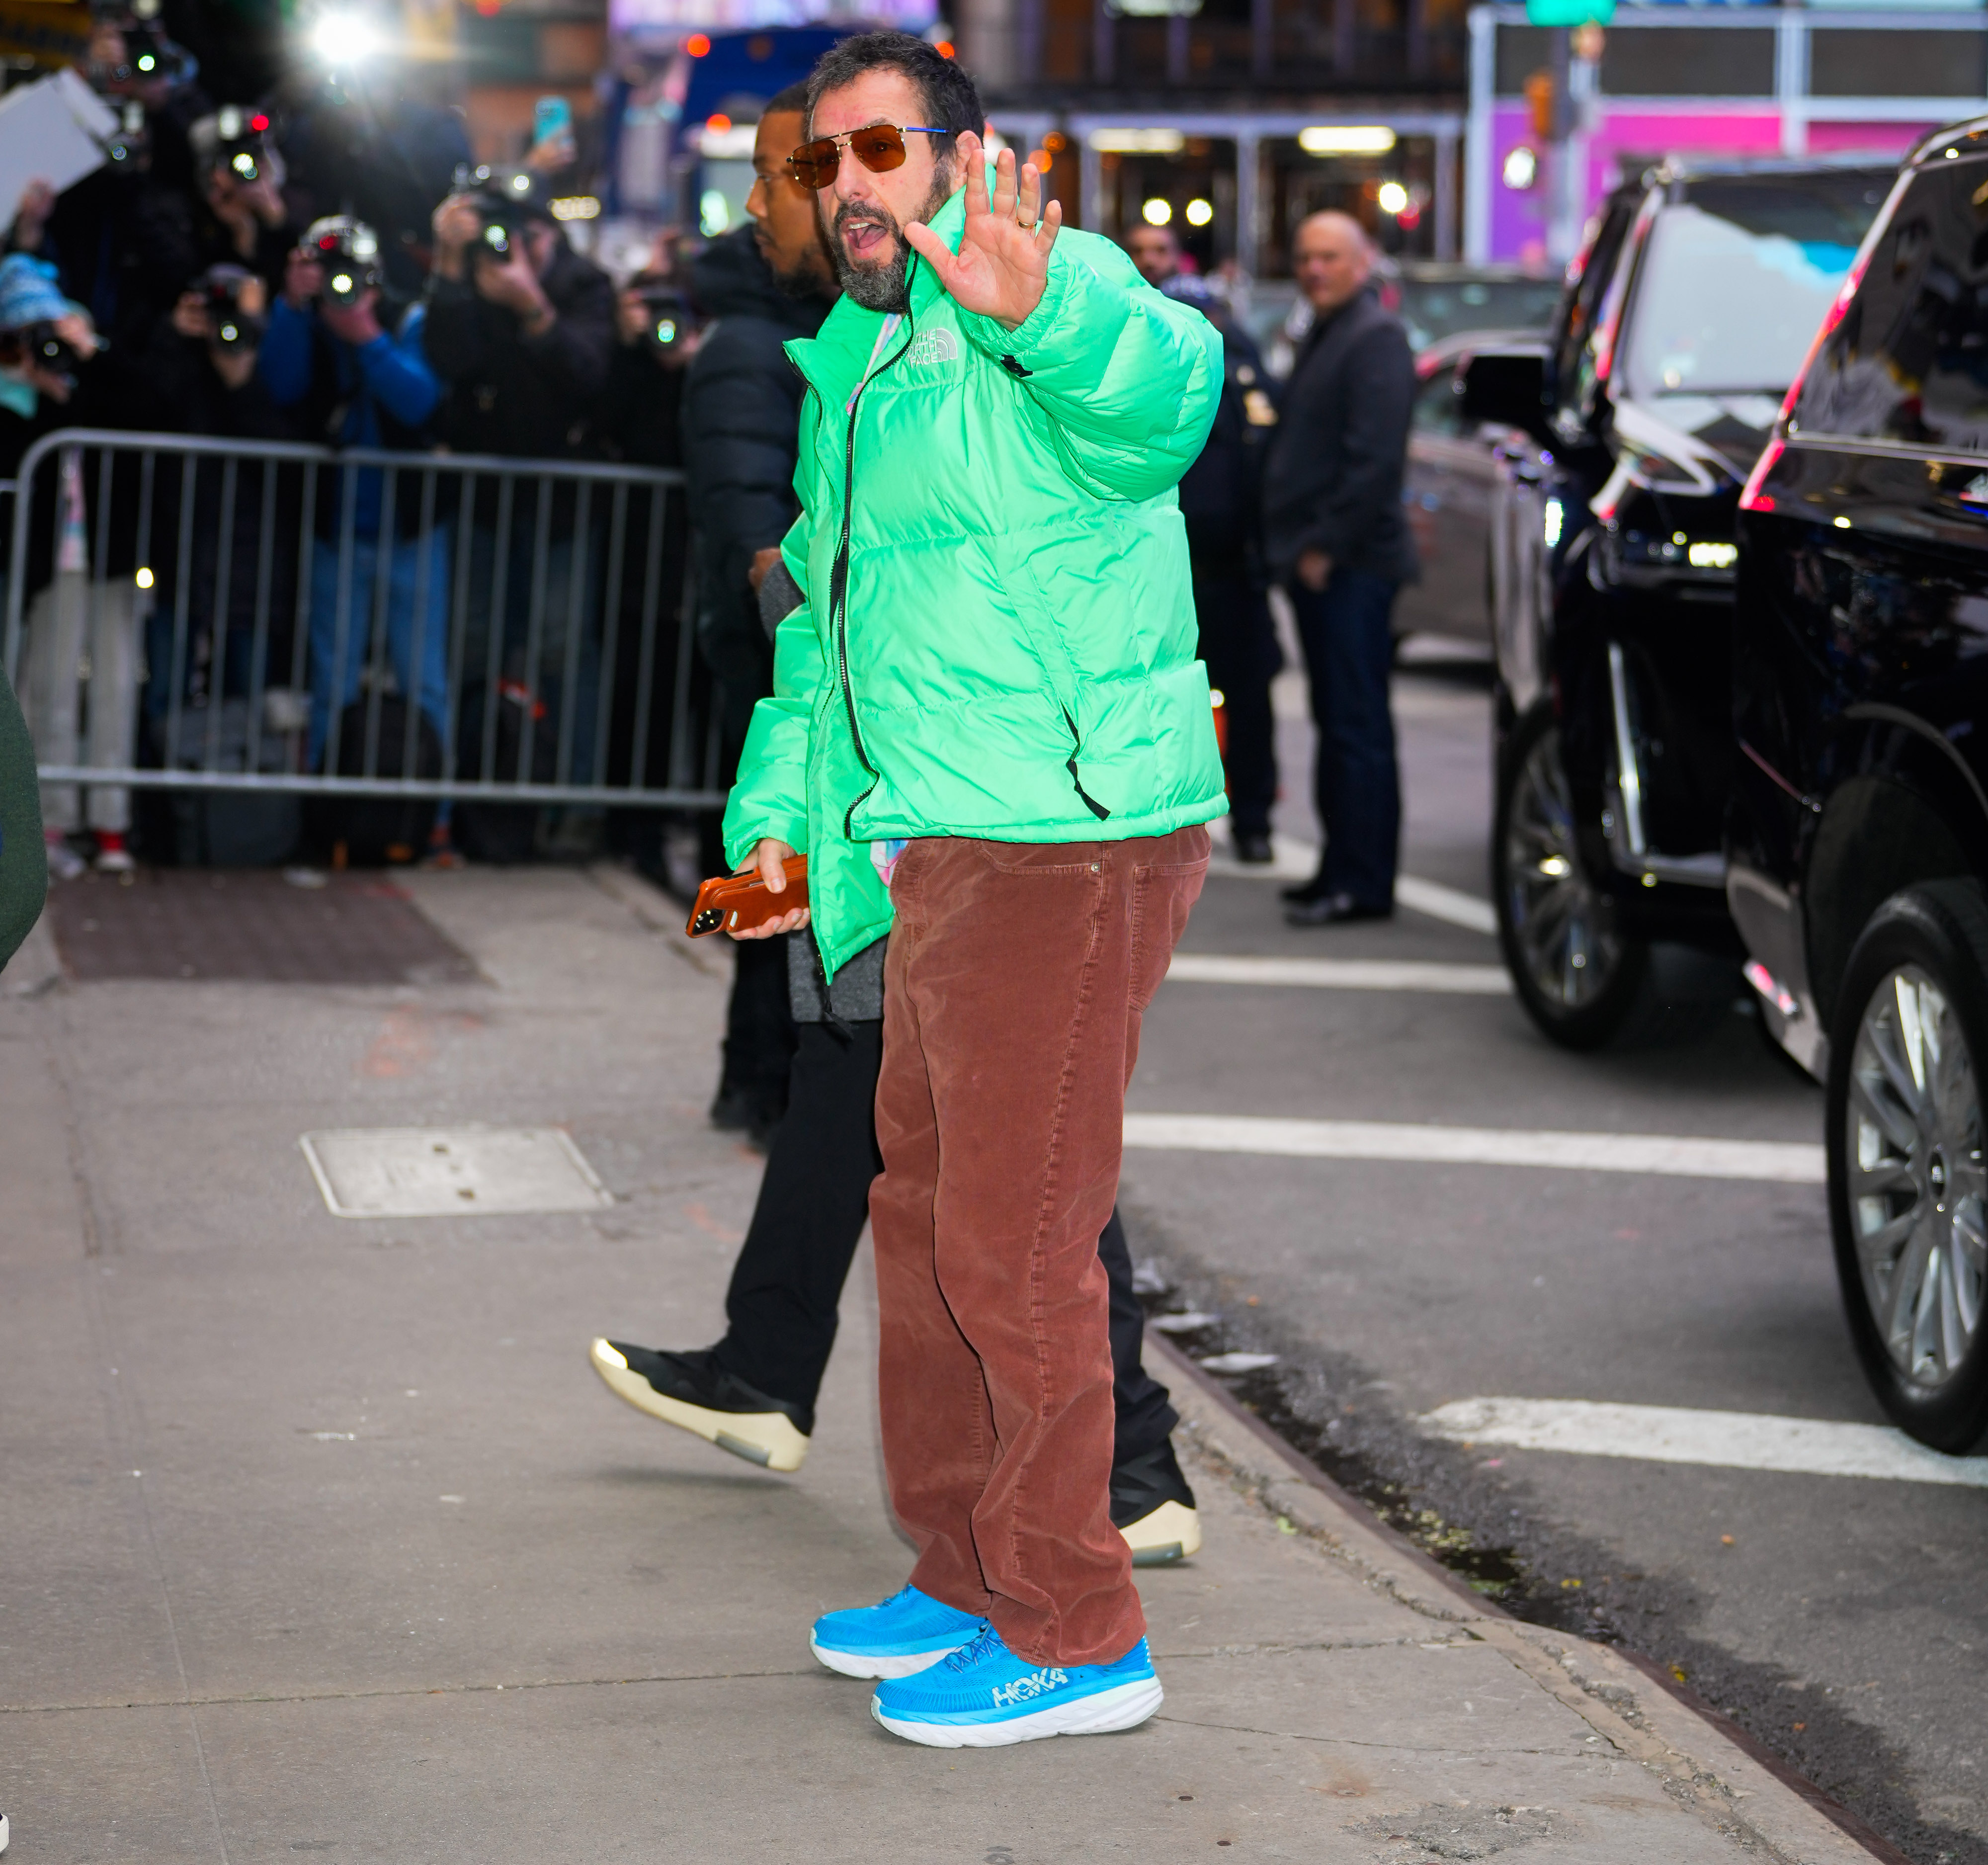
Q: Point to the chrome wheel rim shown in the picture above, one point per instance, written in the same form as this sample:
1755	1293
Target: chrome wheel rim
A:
1565	927
1917	1192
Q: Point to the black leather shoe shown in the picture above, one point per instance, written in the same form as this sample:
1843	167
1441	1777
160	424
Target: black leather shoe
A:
1253	848
1305	891
1334	910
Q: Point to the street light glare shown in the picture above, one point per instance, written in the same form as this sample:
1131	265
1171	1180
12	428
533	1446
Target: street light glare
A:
1393	197
1156	213
1199	212
344	38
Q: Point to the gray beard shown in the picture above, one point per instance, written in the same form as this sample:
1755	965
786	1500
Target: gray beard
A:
885	287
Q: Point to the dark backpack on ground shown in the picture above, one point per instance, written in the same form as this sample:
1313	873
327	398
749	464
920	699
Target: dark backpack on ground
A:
376	830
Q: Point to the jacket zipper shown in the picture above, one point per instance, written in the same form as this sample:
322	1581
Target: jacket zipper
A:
838	576
1076	745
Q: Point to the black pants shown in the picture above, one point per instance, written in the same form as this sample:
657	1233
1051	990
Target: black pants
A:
780	1310
758	1025
1239	645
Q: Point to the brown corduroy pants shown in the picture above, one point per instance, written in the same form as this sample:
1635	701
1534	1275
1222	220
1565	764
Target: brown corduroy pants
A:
1016	977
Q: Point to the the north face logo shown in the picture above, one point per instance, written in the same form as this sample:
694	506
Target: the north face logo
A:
932	347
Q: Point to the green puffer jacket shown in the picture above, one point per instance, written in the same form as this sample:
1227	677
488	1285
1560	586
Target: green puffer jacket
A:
999	638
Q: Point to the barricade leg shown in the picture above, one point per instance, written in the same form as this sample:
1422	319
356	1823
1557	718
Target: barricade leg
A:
339	635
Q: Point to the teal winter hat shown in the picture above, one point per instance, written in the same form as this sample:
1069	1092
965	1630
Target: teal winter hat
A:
29	293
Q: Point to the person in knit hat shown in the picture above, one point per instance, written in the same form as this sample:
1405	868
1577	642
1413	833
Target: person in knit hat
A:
47	343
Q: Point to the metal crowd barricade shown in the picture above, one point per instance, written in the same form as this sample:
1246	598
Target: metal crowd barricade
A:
499	629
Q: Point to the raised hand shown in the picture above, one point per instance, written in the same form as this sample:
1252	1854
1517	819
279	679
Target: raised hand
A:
1003	260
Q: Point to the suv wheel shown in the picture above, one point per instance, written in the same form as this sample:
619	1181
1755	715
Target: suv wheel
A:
1908	1185
1576	973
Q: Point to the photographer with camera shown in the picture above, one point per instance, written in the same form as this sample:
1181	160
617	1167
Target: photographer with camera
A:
48	347
350	381
521	328
240	218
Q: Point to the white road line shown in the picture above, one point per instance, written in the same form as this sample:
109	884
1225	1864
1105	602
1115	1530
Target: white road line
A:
1671	1155
1342	974
1298	861
1440	902
1729	1440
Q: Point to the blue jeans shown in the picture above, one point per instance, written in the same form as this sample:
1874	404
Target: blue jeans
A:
415	625
1349	651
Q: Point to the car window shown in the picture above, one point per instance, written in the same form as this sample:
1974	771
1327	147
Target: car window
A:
1736	277
1432	309
1908	361
1575	326
1439	407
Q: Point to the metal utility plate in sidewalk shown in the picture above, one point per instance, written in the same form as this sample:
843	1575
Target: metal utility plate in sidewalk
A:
452	1172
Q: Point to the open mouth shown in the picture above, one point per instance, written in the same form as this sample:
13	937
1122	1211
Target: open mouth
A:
866	237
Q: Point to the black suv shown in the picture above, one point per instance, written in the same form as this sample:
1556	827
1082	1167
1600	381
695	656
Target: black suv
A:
1859	826
1613	559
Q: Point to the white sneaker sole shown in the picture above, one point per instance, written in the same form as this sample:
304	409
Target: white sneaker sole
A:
1171	1532
769	1439
900	1664
1124	1706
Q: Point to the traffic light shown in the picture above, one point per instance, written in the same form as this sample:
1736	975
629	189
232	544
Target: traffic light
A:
1540	104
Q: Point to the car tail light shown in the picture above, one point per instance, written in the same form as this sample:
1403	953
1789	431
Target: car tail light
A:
1752	498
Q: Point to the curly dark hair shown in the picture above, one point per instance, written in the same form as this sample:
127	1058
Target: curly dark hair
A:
947	98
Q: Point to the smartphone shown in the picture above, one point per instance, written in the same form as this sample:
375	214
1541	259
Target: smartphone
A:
738	902
551	116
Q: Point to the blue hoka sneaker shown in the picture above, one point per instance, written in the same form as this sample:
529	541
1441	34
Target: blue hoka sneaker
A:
906	1633
984	1696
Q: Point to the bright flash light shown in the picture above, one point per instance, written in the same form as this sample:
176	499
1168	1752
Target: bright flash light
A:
1713	557
244	163
1556	517
1346	139
342	283
1555	867
576	207
1393	197
1156	212
714	213
344	38
228	333
666	330
1199	212
1521	168
144	579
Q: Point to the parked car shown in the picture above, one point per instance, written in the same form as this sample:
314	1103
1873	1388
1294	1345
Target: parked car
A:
1613	562
1434	299
1452	472
1859	826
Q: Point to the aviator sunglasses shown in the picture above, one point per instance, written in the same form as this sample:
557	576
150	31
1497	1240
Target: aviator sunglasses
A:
880	148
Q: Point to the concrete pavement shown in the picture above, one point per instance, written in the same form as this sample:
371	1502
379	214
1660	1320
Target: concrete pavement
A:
317	1535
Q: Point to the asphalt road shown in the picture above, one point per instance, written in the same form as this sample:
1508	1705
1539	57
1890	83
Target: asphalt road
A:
1838	1619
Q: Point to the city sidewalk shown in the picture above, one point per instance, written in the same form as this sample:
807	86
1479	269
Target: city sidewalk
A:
292	1500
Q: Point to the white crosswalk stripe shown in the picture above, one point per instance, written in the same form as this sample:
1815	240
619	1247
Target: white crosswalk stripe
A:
1341	974
1675	1156
1729	1440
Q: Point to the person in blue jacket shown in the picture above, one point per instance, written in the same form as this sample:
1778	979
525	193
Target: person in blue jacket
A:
350	382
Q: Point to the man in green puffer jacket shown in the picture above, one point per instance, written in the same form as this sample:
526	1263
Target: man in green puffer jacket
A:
989	729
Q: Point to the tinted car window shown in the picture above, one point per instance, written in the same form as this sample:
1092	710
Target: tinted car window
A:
1909	360
1431	309
1439	407
1577	320
1736	277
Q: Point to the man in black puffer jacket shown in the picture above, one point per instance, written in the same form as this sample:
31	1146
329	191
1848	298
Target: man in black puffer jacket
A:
761	286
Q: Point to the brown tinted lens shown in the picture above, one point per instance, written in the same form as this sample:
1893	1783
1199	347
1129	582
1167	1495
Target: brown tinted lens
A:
814	163
880	148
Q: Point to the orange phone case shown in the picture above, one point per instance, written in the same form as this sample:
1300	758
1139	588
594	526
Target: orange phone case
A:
738	902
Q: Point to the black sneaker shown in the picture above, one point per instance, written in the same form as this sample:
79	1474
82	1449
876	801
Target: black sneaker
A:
733	1110
1153	1507
686	1389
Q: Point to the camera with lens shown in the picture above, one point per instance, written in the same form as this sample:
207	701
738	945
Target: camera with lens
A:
150	56
501	198
220	288
241	148
133	141
670	321
349	251
42	347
